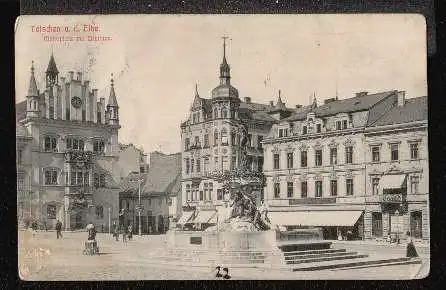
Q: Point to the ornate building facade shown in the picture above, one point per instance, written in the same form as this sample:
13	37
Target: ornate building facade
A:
211	143
67	147
357	167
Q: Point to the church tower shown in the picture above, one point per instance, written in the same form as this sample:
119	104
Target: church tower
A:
52	73
112	106
32	98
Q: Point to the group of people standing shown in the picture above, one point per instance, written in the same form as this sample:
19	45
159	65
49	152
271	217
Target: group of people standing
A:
126	233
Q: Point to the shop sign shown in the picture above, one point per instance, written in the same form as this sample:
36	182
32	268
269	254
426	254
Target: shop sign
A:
314	200
392	198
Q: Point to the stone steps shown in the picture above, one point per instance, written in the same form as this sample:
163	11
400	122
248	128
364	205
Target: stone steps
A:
318	255
349	256
360	262
311	252
408	261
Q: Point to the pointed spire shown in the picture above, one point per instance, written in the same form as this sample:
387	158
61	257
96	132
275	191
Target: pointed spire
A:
196	91
52	67
112	99
32	88
224	66
314	104
280	104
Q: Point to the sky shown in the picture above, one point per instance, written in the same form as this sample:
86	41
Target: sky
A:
156	61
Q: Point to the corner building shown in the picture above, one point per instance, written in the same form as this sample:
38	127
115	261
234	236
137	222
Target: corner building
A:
67	147
211	138
356	167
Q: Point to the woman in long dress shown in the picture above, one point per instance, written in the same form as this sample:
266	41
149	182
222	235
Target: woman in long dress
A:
411	252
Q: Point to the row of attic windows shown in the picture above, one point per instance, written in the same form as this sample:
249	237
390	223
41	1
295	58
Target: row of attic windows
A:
309	129
217	114
221	138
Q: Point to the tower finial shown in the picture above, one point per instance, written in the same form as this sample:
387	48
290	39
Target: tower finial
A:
196	89
111	80
32	67
224	46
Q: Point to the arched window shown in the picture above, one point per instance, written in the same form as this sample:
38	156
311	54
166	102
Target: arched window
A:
224	113
188	196
215	137
224	136
215	113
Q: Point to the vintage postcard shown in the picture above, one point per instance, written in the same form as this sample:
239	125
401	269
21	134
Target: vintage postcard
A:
211	147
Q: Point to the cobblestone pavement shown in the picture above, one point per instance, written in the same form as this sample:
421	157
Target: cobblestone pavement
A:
43	257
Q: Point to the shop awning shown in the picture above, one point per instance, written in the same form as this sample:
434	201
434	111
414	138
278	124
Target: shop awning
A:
392	181
185	217
204	217
315	218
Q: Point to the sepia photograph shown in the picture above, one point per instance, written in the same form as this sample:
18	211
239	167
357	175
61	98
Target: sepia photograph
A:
222	147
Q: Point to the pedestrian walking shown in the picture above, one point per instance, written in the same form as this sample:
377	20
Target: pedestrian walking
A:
58	229
124	234
411	252
218	275
130	231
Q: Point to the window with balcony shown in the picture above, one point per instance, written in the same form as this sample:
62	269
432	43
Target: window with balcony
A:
206	140
75	143
276	190
198	166
303	189
349	186
276	160
290	189
394	152
51	211
197	141
413	151
414	184
333	156
98	146
333	187
349	154
99	211
259	141
50	144
187	165
375	184
224	137
289	158
375	154
304	130
318	157
51	176
318	188
303	159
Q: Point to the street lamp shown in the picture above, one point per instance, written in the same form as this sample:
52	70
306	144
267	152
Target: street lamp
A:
397	213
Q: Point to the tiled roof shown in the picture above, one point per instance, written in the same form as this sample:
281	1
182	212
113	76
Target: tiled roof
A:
414	109
255	106
355	104
130	182
20	110
163	172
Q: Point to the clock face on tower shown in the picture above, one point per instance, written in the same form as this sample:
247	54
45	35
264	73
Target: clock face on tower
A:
76	102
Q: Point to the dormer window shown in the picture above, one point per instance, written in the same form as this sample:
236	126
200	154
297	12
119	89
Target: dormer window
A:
338	125
318	128
304	130
344	124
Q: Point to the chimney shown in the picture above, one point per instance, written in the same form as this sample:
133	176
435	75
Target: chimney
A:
247	100
79	76
401	98
361	94
298	106
271	103
327	101
70	76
